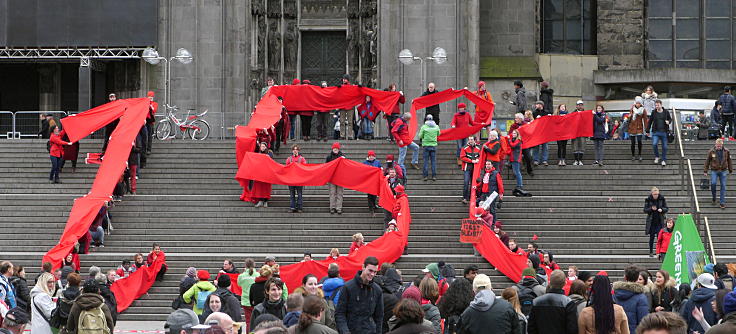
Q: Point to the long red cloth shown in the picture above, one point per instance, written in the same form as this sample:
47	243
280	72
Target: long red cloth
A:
496	252
307	97
85	208
444	96
552	128
128	289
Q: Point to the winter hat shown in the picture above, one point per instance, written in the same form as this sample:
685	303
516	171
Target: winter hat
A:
535	260
482	282
528	272
479	212
389	157
392	223
346	76
295	82
336	145
413	293
223	281
461	105
433	269
150	93
399	189
203	275
428	118
602	273
181	319
580	102
708	268
638	99
729	302
306	82
371	153
544	84
499	224
539	102
481	84
192	272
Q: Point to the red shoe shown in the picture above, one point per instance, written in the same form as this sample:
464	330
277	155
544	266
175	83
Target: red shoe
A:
730	139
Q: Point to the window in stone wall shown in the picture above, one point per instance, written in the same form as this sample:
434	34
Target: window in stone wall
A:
691	33
568	26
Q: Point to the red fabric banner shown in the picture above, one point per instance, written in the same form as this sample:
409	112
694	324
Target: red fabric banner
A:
130	288
444	96
552	128
308	97
85	208
496	252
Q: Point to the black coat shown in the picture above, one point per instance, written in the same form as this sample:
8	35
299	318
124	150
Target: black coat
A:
658	121
360	307
257	292
545	95
655	219
389	300
22	293
333	156
488	314
599	126
411	329
134	151
435	109
553	313
110	301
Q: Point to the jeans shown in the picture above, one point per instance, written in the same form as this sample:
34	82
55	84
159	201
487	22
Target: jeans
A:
714	177
728	120
430	155
598	149
292	126
541	152
516	167
460	144
295	194
366	127
55	167
660	137
467	180
98	235
414	154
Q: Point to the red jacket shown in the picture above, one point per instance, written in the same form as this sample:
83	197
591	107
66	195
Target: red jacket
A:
663	240
480	115
515	147
355	247
57	146
397	207
400	132
468	154
364	111
461	120
396	109
152	109
295	160
485	187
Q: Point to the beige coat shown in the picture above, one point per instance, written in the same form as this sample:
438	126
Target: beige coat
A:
586	321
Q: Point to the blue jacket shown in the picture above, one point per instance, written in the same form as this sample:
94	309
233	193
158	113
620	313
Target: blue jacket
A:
360	308
701	297
599	126
729	104
331	287
292	318
630	295
374	163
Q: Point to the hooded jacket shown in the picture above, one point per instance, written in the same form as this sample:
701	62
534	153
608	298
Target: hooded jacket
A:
41	308
400	132
532	283
520	100
545	95
360	307
486	314
630	295
663	240
392	282
428	133
432	313
88	301
389	300
331	287
245	280
665	298
191	294
553	313
702	298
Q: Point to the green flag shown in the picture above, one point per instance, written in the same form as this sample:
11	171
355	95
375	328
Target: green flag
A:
686	257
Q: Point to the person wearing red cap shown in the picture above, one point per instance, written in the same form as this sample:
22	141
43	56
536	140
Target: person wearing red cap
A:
335	190
400	132
490	181
482	115
394	180
399	193
198	293
390	165
295	192
461	119
470	156
367	113
395	112
371	160
433	110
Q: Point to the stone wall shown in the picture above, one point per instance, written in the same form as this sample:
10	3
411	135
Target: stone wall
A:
508	28
620	34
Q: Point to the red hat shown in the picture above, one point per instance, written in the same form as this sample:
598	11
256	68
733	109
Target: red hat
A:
389	157
371	153
499	224
296	82
150	93
399	189
461	105
336	145
481	83
203	275
479	211
306	82
602	273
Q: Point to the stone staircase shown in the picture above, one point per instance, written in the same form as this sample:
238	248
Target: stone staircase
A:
188	202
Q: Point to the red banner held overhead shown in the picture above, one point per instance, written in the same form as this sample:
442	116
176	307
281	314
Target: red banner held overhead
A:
448	95
552	128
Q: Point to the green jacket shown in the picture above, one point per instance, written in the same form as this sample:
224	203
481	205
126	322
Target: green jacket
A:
191	294
245	280
428	134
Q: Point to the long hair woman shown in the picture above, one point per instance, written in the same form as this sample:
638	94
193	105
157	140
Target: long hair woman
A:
512	296
245	280
310	287
455	300
312	312
663	295
41	304
561	144
602	316
409	318
430	294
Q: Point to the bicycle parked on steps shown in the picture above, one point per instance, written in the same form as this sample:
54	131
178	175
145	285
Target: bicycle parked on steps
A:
192	126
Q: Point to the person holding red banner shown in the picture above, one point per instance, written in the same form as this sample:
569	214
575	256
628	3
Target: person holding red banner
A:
395	112
515	158
367	113
428	137
155	254
470	156
56	152
335	190
400	132
540	152
305	118
461	119
292	114
480	114
260	192
150	121
600	123
494	150
561	144
490	181
526	155
433	110
578	144
295	192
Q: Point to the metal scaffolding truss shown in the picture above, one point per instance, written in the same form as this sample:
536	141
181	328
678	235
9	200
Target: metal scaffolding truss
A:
51	53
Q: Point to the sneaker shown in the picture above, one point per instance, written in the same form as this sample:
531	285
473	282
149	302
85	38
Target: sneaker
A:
424	178
595	162
259	204
339	211
265	204
101	246
545	163
536	163
600	163
580	163
299	210
576	163
664	163
332	211
656	160
415	165
640	158
564	163
434	178
559	163
723	205
292	210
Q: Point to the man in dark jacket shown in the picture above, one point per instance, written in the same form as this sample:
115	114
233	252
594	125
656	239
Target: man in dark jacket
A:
432	110
486	313
360	307
728	325
540	152
554	312
520	98
528	289
702	297
718	162
230	303
546	95
630	295
728	103
389	300
659	125
103	280
88	300
655	206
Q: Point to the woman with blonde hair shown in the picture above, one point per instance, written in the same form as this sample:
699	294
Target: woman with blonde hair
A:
334	254
310	287
430	292
512	296
358	241
42	305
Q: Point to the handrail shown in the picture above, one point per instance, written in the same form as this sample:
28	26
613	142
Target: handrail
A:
678	134
710	240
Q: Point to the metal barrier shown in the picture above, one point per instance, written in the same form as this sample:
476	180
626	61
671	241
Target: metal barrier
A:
7	124
28	123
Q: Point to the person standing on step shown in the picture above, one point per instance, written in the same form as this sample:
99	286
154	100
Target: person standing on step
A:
718	162
305	118
433	110
367	113
561	144
520	98
371	160
578	144
541	151
133	161
461	119
400	132
293	114
71	152
395	112
515	158
56	153
494	149
728	104
295	192
655	206
347	116
269	83
480	115
638	120
519	120
260	192
600	124
281	129
428	137
659	125
47	126
470	156
322	119
335	190
546	95
663	238
488	182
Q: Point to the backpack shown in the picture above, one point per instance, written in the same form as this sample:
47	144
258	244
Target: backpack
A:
92	321
728	282
452	324
448	272
48	146
526	298
202	298
60	314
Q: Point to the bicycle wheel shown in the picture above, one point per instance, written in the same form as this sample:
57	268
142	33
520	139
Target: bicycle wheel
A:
163	130
202	131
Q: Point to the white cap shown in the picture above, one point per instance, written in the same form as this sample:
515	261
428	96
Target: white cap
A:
580	102
707	280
